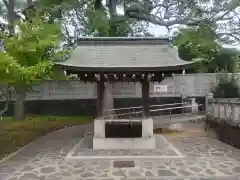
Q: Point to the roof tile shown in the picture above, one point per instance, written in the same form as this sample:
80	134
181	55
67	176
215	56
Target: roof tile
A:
120	55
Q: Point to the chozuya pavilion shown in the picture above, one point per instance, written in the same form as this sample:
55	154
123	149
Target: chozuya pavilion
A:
113	59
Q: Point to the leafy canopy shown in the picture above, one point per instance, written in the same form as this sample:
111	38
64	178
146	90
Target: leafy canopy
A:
28	55
201	44
227	86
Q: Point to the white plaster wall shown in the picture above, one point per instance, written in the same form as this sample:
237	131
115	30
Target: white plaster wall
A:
188	85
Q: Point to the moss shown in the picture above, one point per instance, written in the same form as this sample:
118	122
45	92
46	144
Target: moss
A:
166	131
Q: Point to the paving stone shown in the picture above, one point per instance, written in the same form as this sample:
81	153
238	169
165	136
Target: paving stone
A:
184	172
218	154
46	170
210	172
87	175
134	173
149	173
12	178
225	171
65	173
166	173
3	176
104	175
118	173
30	176
196	169
27	168
236	169
223	166
6	169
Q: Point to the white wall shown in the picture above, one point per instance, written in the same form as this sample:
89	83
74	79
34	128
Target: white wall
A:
187	85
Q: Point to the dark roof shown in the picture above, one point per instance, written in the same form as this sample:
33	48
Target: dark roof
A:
121	53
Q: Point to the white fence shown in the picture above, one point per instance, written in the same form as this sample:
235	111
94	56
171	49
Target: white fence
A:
227	109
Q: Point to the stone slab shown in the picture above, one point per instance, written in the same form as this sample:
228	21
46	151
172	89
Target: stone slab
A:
124	143
163	150
123	164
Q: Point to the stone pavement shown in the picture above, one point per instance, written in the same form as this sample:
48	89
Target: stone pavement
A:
45	159
84	150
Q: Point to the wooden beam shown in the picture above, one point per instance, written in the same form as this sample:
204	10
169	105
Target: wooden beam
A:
145	95
113	77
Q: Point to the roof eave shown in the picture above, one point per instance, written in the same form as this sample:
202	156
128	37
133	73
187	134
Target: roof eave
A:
125	69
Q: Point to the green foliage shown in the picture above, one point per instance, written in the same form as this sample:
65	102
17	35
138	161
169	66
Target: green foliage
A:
227	87
100	24
223	60
28	55
199	43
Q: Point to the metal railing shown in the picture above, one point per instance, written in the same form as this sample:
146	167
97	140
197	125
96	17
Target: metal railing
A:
185	110
136	112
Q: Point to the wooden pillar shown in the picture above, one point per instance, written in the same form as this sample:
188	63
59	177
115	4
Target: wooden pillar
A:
100	95
145	96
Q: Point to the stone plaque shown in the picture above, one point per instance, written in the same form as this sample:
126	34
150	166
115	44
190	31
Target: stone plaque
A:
123	164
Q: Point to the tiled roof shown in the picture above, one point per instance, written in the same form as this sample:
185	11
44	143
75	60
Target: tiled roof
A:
129	53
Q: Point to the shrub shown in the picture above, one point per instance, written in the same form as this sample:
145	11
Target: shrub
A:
227	87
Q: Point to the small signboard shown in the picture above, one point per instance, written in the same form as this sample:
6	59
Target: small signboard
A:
160	88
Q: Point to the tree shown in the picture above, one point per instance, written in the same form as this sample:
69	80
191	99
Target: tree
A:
228	87
10	12
201	44
91	18
222	16
28	57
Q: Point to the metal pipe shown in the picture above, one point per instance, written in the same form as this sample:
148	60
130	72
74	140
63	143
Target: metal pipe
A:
155	110
136	107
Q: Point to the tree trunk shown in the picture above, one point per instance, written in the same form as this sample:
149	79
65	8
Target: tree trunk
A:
6	99
19	113
112	6
11	15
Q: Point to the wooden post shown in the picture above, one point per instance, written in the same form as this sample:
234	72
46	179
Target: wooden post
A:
145	96
100	95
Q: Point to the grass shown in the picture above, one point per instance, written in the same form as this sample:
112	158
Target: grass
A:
15	134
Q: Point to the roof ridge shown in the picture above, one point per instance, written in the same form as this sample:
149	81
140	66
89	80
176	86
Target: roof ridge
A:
123	40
